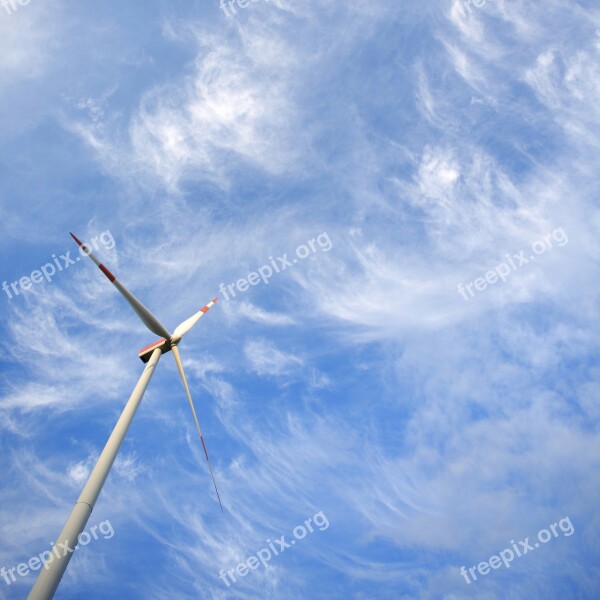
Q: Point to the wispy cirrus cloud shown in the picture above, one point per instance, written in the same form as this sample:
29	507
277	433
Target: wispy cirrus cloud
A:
264	358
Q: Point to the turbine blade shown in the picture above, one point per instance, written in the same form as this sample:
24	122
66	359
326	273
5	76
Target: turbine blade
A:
149	320
184	327
187	391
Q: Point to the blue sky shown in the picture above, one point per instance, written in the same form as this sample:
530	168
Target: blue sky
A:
431	143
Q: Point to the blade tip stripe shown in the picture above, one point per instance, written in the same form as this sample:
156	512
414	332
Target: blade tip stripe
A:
110	276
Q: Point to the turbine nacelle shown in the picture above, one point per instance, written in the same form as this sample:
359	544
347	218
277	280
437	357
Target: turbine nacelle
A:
146	353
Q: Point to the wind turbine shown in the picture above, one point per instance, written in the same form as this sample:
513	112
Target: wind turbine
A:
49	577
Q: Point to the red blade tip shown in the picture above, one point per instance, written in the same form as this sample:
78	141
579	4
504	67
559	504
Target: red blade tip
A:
76	238
215	299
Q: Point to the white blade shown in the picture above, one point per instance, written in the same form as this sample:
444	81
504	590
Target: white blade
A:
182	329
149	320
175	350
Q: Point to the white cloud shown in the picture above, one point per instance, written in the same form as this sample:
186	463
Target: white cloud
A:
264	358
27	42
80	471
231	109
247	311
